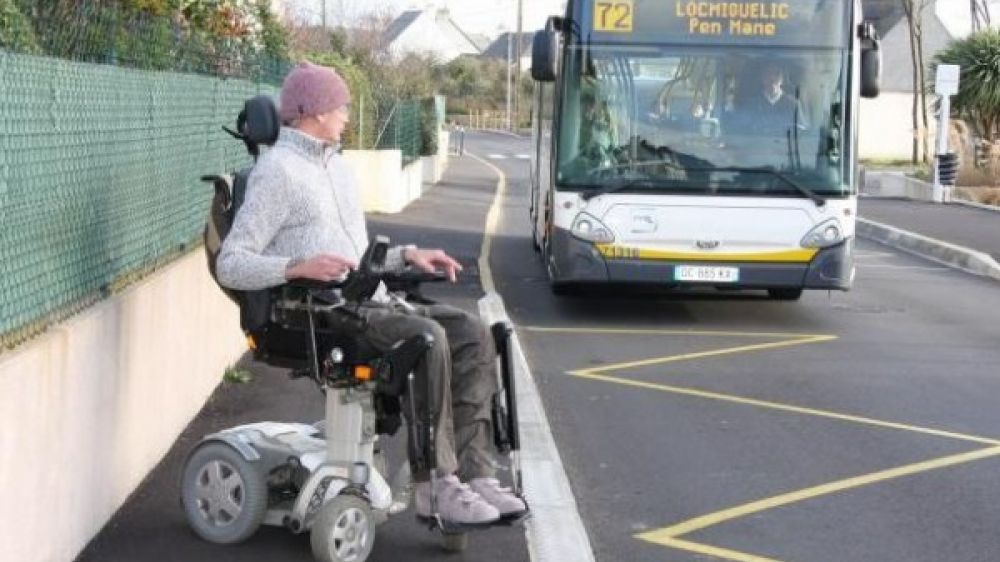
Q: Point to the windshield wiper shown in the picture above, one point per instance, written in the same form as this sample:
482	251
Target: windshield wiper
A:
808	193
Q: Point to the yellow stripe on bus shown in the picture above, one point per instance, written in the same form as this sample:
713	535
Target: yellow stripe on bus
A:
612	251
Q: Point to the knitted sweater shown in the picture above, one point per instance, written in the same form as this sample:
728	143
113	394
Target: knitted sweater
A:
301	200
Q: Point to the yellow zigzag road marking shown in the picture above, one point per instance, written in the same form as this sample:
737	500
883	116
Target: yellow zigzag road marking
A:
784	407
668	536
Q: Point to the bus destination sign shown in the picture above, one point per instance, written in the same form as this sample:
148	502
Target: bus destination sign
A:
818	23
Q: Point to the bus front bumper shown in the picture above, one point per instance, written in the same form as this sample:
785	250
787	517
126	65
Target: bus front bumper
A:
575	261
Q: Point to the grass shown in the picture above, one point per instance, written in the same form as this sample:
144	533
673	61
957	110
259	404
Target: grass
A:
237	375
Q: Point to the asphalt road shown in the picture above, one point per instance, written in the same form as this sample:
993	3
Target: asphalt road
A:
854	426
857	426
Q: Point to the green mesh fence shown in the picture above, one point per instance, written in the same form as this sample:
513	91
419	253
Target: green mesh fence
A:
110	111
99	169
402	130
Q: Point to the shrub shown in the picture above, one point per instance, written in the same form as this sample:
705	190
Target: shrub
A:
16	32
978	98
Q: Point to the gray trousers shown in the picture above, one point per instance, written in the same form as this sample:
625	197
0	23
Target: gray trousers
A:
461	370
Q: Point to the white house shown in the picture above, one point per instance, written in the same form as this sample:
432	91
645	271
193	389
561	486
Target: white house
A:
886	128
431	32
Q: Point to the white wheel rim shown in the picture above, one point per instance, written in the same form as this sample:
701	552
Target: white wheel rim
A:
219	493
350	535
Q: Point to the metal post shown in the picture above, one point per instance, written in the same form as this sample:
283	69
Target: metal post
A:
517	75
509	54
941	194
946	83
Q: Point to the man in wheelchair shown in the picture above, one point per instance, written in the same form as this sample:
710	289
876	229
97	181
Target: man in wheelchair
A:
302	219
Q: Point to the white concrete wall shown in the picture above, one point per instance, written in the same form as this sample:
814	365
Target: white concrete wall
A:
433	168
413	180
895	184
90	407
886	126
386	186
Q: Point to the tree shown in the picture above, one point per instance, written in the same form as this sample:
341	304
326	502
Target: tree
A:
914	10
226	37
978	98
16	32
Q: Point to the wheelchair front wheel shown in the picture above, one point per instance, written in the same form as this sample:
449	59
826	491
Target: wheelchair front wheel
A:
343	531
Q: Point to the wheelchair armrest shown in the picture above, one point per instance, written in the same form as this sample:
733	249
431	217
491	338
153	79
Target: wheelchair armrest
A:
408	281
314	285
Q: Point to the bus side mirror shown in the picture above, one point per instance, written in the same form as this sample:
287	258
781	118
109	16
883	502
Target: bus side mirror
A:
871	61
544	56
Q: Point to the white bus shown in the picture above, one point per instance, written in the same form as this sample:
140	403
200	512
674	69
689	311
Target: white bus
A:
700	142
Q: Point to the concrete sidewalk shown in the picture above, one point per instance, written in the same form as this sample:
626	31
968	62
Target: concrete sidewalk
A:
960	236
151	526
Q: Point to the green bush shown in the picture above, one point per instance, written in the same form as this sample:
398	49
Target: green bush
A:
214	37
428	128
16	32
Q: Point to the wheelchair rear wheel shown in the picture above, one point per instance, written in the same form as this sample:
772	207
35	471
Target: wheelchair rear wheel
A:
224	497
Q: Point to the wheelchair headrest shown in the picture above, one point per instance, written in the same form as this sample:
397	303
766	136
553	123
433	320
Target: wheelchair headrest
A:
259	122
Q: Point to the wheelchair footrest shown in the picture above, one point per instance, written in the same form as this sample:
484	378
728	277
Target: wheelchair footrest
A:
453	528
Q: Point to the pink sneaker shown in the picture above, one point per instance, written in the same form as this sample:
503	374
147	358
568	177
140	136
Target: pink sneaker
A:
456	502
499	497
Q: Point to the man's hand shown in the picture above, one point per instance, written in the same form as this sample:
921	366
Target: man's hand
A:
432	260
324	267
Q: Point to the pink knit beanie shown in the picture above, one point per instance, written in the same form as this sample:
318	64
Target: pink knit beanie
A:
311	89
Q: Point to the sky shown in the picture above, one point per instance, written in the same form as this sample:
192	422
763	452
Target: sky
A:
474	16
488	16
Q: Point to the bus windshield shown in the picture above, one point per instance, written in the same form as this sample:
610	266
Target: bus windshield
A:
704	120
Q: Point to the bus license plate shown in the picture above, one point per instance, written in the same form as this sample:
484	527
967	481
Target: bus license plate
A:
707	274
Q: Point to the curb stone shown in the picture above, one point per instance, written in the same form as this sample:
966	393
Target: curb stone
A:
952	255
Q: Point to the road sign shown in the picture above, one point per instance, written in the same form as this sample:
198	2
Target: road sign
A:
946	81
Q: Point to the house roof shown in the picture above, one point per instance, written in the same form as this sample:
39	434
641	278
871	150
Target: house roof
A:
890	20
498	49
442	19
482	42
884	13
400	24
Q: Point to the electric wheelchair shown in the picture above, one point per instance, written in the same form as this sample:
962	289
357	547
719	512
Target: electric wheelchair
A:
329	478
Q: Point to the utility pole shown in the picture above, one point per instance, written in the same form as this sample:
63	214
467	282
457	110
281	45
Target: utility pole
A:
322	8
517	77
509	46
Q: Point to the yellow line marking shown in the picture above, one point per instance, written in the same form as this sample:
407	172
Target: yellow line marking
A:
710	550
783	407
667	536
655	332
702	355
492	223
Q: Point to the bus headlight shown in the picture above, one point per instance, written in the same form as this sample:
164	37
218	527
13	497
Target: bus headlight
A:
824	235
587	227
